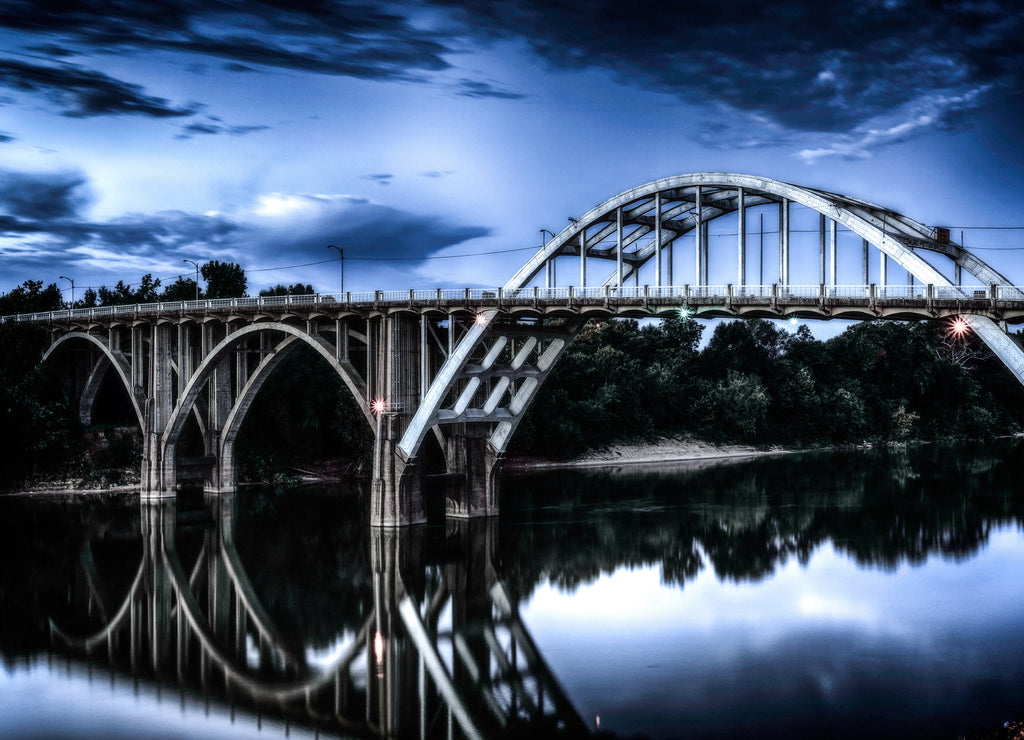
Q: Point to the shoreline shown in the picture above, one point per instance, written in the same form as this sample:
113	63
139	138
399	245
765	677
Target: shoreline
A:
662	452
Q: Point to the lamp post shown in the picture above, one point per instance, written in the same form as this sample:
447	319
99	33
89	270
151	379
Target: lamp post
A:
341	254
62	277
197	276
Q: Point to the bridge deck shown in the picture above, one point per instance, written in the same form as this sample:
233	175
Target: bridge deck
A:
811	301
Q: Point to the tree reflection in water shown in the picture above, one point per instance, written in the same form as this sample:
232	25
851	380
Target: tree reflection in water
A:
286	604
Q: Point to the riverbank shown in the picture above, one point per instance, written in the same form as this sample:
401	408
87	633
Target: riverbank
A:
647	453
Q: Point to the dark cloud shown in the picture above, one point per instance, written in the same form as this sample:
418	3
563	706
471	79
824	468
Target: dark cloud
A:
42	225
383	178
359	39
436	174
6	137
213	126
806	66
367	229
826	66
81	93
43	196
478	89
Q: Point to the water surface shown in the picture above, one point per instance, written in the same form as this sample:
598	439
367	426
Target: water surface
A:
869	593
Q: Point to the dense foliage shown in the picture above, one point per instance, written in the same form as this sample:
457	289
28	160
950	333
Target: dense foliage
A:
39	433
756	383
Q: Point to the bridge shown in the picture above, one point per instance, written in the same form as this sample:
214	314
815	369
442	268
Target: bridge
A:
440	652
459	368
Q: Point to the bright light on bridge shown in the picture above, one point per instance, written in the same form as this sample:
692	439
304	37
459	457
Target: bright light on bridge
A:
958	328
481	319
379	406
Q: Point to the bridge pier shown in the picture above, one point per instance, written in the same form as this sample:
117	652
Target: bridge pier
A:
467	451
159	476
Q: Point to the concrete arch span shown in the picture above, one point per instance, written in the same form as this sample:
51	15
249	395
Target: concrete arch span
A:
229	413
108	359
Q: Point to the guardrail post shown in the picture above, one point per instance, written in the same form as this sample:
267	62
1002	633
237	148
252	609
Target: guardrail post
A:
536	298
465	297
501	295
572	293
728	297
411	293
775	297
992	296
929	293
437	299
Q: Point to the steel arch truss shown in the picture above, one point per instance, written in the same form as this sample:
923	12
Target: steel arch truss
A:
487	381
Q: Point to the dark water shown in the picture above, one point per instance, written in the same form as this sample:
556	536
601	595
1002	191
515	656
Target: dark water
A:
862	594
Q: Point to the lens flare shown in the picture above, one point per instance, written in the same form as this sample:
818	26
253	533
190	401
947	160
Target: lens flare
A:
958	328
379	406
481	319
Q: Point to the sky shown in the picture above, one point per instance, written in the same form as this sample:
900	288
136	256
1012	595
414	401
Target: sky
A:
136	135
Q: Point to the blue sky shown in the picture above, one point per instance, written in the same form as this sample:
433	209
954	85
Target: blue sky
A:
134	135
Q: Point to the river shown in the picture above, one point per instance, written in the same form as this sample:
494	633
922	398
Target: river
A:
869	593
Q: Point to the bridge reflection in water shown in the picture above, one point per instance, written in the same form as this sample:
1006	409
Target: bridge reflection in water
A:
438	650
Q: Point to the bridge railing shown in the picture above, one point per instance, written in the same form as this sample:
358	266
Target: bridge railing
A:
497	296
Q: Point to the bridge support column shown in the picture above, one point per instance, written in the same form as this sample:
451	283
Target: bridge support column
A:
159	477
396	497
468	451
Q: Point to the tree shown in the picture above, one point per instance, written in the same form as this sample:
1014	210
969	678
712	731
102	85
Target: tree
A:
296	289
224	279
31	297
123	295
182	289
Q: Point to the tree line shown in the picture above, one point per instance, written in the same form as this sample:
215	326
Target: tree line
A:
754	382
223	280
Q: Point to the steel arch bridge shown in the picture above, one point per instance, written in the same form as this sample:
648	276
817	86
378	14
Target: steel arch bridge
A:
463	366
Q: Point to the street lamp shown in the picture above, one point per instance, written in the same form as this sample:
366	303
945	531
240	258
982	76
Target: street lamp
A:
62	277
341	253
197	276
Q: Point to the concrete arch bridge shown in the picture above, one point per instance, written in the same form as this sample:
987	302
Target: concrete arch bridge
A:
462	366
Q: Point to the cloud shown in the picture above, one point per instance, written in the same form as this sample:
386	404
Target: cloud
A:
43	196
805	67
213	126
358	39
437	174
935	113
81	93
6	137
42	226
468	88
383	178
808	67
301	225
